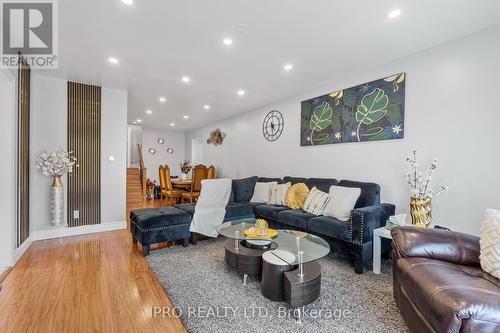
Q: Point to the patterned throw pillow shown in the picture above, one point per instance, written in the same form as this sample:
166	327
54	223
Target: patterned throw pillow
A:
316	201
278	194
296	195
490	243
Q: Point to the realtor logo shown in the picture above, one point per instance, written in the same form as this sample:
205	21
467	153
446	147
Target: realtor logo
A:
29	28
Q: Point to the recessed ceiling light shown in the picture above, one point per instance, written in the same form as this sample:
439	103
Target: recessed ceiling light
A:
206	107
162	99
113	60
139	120
149	111
227	41
186	116
128	2
394	13
241	92
288	67
186	79
172	124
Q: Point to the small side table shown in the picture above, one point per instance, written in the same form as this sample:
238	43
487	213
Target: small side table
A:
378	234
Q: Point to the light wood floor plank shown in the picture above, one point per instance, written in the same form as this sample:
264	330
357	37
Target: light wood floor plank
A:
90	283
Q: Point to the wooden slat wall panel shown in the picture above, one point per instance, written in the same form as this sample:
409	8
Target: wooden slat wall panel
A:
23	230
84	139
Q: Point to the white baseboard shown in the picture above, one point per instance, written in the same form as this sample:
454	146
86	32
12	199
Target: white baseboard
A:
74	231
22	248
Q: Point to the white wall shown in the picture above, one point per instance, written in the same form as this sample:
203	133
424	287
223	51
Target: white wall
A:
451	113
7	169
113	143
175	140
49	132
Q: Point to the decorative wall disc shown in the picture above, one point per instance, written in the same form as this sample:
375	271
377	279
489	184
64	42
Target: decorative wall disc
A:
161	141
170	150
152	151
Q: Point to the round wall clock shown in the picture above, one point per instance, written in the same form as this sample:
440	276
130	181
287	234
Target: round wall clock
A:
272	127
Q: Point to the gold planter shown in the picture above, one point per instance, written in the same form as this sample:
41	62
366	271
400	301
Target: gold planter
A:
421	211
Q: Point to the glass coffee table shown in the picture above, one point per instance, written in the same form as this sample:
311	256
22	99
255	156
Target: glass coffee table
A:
287	262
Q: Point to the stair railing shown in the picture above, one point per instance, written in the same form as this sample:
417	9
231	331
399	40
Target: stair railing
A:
142	170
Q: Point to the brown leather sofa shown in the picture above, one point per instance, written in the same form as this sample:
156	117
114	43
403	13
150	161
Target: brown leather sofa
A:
439	285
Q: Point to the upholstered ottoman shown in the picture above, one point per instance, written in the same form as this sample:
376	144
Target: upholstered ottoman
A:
154	225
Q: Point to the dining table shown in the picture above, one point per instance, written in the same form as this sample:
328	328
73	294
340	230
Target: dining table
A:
181	183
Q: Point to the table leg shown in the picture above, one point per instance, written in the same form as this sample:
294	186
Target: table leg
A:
376	253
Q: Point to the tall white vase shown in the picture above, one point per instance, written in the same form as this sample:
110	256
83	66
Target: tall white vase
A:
57	202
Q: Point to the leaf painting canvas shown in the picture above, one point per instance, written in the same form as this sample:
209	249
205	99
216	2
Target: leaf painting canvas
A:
367	112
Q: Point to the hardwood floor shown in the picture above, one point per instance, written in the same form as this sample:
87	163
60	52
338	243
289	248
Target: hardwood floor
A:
89	283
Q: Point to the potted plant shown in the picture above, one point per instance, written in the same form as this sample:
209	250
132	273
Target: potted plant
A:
421	192
185	169
56	164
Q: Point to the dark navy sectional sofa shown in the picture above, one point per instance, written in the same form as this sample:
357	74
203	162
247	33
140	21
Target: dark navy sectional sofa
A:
353	237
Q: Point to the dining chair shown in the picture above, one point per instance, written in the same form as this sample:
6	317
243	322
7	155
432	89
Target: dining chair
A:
198	174
211	172
171	192
163	183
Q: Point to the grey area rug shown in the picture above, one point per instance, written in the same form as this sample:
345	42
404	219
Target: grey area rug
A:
210	297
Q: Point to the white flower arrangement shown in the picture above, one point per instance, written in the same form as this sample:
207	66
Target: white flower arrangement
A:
419	187
57	163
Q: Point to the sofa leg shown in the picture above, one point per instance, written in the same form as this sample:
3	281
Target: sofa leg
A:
145	250
358	266
194	238
134	240
185	242
357	258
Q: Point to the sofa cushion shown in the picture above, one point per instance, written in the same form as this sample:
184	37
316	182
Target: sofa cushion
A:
268	180
243	188
342	201
294	180
296	195
186	207
235	210
297	218
278	193
370	192
316	201
490	243
262	192
322	184
269	211
149	218
252	204
329	226
449	296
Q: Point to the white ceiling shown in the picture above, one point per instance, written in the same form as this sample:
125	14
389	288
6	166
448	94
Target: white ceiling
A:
159	41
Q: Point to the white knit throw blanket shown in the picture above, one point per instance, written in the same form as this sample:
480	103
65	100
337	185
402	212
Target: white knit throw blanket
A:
211	206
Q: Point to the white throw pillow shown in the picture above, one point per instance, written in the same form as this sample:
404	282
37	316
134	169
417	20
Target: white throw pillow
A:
278	194
342	201
490	243
315	201
261	192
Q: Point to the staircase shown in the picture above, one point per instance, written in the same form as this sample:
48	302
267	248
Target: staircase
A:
135	193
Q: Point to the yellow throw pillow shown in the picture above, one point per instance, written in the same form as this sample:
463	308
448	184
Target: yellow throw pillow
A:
296	195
